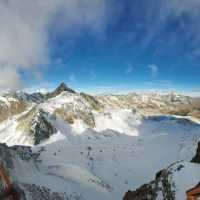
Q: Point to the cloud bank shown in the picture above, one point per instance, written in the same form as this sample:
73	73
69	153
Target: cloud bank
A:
25	36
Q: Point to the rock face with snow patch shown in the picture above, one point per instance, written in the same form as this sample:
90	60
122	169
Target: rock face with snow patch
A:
41	128
72	106
95	104
196	158
150	191
10	106
35	125
35	192
24	155
7	160
166	183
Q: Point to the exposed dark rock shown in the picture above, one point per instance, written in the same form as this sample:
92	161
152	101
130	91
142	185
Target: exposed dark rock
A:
6	156
36	97
9	154
35	192
25	153
27	191
35	124
196	158
95	104
145	192
149	191
69	114
41	128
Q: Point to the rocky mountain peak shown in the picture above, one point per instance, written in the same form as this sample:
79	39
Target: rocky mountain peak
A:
61	88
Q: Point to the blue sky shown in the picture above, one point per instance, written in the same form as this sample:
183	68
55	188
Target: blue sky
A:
116	46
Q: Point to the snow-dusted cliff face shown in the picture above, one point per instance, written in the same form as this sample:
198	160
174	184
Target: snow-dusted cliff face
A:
95	147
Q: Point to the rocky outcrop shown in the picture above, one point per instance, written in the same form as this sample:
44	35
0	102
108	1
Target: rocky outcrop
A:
41	128
196	158
36	192
36	97
24	153
95	104
145	192
162	186
27	191
11	107
70	114
8	155
35	124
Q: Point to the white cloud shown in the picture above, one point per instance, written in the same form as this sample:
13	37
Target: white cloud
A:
9	78
153	69
25	36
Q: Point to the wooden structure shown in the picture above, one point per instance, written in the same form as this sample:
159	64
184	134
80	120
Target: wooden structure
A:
9	192
194	193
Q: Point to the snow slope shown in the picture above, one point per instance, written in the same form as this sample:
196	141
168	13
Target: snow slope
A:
104	165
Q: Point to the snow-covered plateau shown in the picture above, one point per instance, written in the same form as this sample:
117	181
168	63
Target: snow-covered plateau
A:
73	146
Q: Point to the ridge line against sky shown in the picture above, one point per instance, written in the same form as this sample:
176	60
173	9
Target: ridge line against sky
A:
114	90
101	45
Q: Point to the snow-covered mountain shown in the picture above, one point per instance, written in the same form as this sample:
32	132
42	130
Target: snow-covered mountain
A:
152	103
83	147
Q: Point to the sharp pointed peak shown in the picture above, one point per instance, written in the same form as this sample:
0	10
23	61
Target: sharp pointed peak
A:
61	88
62	84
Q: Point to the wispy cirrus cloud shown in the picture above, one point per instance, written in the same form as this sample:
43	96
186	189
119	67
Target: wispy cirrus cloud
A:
163	25
72	78
153	70
93	74
129	69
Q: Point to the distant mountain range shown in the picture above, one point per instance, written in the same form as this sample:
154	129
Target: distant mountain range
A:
69	105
